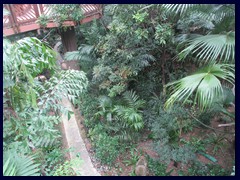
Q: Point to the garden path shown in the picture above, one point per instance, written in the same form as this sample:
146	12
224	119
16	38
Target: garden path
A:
76	143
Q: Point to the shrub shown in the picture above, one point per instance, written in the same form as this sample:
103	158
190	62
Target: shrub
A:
157	168
199	169
107	149
67	168
168	152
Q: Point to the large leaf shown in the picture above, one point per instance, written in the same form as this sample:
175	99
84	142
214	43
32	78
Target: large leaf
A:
9	169
209	48
19	165
206	83
179	8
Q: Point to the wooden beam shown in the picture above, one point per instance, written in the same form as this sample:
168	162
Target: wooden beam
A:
29	27
8	32
90	18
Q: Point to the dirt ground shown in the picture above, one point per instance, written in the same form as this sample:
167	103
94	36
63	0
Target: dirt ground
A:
224	156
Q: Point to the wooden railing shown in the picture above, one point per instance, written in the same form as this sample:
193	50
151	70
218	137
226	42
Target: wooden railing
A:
22	17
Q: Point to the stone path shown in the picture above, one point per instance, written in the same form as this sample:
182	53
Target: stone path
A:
75	141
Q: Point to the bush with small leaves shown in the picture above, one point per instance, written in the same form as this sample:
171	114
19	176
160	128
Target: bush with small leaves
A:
107	149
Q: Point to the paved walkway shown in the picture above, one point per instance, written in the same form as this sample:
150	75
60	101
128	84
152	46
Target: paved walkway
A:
75	141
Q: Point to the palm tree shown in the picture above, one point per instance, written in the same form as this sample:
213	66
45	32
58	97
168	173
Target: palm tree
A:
206	82
212	46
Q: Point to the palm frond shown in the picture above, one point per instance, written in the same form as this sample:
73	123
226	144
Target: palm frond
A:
130	116
206	83
133	100
105	102
179	8
9	168
210	48
19	165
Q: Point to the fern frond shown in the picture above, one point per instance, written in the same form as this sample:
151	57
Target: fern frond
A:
84	53
133	100
142	61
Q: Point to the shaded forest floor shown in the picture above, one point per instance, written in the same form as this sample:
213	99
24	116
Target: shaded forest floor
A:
221	148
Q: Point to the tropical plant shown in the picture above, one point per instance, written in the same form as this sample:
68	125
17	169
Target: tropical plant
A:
19	165
213	48
200	169
83	54
197	144
105	104
179	154
63	12
206	82
68	168
135	155
157	168
32	108
43	20
216	141
107	149
131	114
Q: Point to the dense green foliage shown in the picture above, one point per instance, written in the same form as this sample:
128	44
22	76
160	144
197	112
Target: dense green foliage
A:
107	149
136	49
32	108
157	168
60	13
147	68
199	169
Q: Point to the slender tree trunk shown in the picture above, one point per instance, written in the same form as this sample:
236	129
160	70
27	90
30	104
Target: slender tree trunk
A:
163	72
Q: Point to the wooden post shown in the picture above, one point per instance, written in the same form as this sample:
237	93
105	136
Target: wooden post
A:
13	19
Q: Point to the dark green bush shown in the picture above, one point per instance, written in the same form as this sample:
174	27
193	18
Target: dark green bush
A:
200	169
107	149
157	168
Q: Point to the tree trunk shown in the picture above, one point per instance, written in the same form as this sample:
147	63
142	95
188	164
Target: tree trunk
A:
163	73
69	44
69	39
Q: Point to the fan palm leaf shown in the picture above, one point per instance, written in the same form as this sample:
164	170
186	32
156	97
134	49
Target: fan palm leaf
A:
206	83
9	169
213	12
179	8
19	165
210	48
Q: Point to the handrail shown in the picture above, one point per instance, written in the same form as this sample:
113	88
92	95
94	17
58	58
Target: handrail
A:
22	16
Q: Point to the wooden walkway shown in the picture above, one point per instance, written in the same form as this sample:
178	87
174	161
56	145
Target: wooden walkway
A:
23	17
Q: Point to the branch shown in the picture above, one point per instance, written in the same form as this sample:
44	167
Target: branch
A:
209	126
223	125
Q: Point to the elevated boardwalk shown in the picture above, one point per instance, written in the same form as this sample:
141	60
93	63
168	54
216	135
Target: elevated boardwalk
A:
23	17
